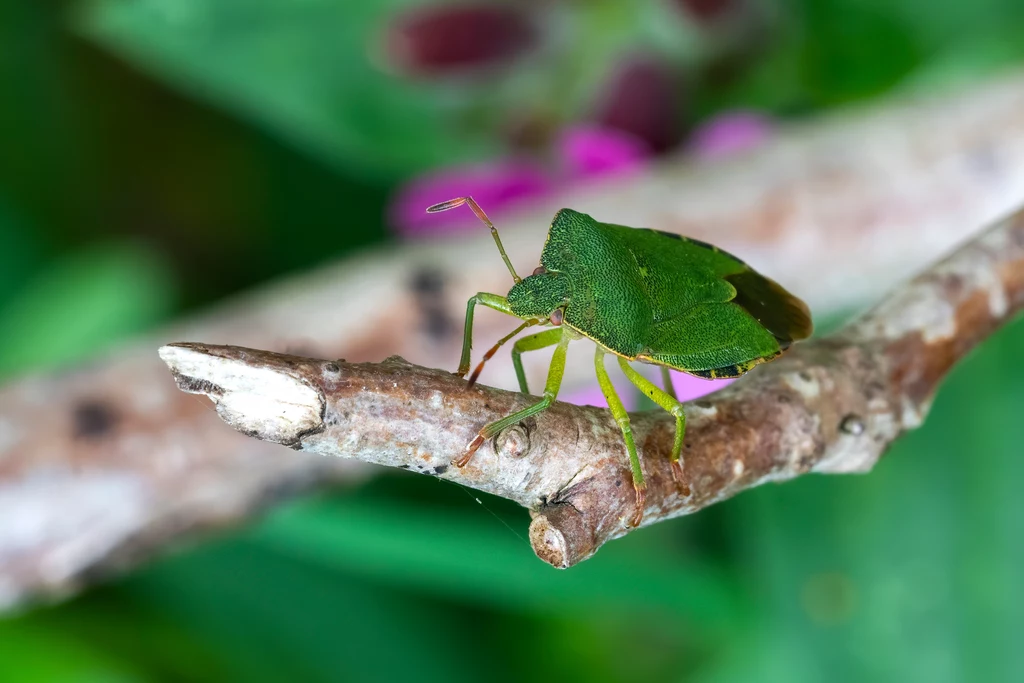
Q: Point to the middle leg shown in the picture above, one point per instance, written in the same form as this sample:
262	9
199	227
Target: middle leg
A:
532	342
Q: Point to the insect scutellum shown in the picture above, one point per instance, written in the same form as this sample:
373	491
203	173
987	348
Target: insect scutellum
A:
641	295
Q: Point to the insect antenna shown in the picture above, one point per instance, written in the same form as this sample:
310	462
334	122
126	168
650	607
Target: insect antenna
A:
494	349
453	203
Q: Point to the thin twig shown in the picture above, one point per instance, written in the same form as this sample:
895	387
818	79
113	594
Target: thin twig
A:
832	405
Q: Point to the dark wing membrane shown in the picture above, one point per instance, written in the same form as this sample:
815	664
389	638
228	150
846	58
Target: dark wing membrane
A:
781	313
699	243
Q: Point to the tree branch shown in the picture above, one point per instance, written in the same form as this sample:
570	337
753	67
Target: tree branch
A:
832	405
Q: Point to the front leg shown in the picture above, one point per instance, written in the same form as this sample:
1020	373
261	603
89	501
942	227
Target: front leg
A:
554	382
498	303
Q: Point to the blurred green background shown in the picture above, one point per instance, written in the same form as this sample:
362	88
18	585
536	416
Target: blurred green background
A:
157	155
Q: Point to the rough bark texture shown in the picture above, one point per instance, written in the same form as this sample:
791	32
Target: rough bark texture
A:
831	405
103	464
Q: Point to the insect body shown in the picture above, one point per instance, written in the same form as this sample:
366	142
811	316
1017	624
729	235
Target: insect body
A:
642	295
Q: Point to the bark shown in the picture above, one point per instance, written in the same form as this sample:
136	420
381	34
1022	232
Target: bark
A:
831	405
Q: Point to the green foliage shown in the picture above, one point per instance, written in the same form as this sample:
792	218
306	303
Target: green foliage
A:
302	69
82	303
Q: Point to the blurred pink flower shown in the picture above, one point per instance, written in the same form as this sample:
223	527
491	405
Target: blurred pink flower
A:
495	186
582	152
729	133
589	151
687	388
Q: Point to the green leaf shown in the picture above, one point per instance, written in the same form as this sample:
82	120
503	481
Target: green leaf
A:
466	554
81	304
43	655
913	572
272	618
304	69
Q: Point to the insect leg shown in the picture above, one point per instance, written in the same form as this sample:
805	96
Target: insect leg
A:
494	349
550	393
532	342
666	379
622	417
498	303
673	406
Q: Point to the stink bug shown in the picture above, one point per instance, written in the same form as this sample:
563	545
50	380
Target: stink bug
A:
642	295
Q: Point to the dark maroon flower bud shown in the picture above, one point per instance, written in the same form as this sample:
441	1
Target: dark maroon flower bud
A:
441	39
643	98
708	10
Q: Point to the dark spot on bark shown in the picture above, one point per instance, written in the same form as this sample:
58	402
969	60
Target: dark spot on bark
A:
403	467
618	482
437	324
428	285
805	376
427	281
332	367
440	469
194	385
93	419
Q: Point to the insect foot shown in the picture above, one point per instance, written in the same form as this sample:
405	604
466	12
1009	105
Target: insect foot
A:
680	477
638	512
463	459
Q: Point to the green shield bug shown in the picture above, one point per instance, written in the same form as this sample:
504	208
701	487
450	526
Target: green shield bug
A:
642	295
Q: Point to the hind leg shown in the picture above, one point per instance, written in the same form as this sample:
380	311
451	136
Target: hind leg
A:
673	406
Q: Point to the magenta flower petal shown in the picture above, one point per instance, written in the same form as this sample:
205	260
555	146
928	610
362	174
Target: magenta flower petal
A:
495	187
689	387
589	151
729	134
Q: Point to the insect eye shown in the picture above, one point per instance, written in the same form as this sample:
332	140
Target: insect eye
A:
556	316
540	270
